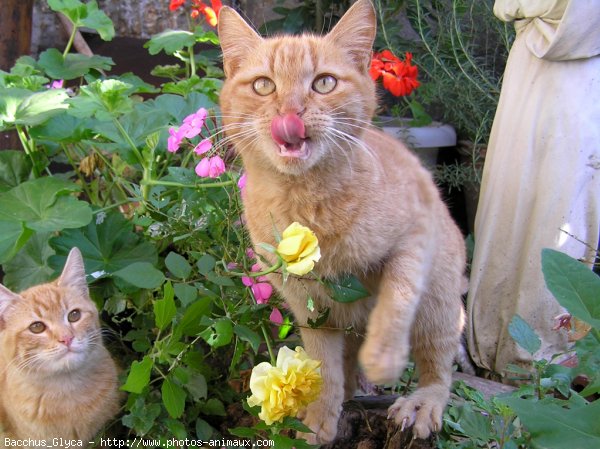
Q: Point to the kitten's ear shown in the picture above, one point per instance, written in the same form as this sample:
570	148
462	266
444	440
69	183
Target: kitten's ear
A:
355	32
73	274
238	39
6	298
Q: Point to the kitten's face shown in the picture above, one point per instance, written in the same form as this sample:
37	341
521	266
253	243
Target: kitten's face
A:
294	102
50	328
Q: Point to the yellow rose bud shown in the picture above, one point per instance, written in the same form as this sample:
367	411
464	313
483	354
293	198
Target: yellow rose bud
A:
299	248
286	388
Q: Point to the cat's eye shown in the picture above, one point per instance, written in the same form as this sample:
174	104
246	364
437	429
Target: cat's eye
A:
74	315
324	84
263	86
37	327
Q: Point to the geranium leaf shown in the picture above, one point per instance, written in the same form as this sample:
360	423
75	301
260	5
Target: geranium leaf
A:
108	244
85	15
44	205
74	65
30	265
170	41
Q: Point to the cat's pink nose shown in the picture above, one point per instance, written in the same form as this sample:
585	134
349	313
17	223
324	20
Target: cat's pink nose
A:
288	128
66	340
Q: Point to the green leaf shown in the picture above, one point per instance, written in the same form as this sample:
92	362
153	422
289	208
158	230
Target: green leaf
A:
173	397
197	387
40	106
108	244
139	376
103	99
178	265
574	285
170	41
218	334
164	311
187	294
554	427
64	128
524	335
142	275
10	99
204	430
73	66
44	205
248	335
347	289
30	266
206	264
15	168
13	235
213	407
243	432
85	15
190	322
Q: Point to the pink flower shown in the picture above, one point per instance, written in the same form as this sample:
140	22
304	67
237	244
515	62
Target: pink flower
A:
56	84
262	291
203	147
276	316
250	253
242	182
174	140
193	123
211	167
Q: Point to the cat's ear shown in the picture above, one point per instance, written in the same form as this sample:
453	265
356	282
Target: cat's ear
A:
73	274
237	38
355	33
6	298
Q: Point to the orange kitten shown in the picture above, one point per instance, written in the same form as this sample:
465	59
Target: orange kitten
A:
298	110
56	377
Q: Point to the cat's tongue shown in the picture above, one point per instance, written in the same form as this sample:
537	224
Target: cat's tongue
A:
289	133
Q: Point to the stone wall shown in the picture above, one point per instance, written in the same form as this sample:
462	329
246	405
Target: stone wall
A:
136	18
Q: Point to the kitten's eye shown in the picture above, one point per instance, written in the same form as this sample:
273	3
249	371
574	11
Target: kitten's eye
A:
324	84
74	315
37	327
263	86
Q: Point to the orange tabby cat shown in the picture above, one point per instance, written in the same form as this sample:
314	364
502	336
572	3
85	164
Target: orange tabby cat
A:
298	110
57	380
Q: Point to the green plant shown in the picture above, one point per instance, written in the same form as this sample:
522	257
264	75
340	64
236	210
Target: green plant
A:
311	15
460	49
546	410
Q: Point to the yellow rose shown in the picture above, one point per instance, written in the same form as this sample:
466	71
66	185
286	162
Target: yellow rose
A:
286	388
299	248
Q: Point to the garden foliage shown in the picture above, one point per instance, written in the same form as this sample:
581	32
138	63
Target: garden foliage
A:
118	168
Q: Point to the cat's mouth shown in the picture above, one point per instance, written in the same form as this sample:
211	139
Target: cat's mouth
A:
299	150
289	134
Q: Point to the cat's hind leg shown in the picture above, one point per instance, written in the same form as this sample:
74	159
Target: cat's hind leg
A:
435	339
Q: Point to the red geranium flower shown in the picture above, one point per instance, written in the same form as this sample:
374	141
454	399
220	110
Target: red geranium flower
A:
211	13
399	77
176	4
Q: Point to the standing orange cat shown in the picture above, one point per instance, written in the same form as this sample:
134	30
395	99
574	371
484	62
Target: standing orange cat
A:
57	380
298	111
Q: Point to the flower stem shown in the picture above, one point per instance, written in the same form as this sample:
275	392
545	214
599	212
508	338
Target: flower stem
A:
154	182
268	343
258	273
70	42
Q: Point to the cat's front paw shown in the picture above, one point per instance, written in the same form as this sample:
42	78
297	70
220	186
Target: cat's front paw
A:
382	363
322	422
422	410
